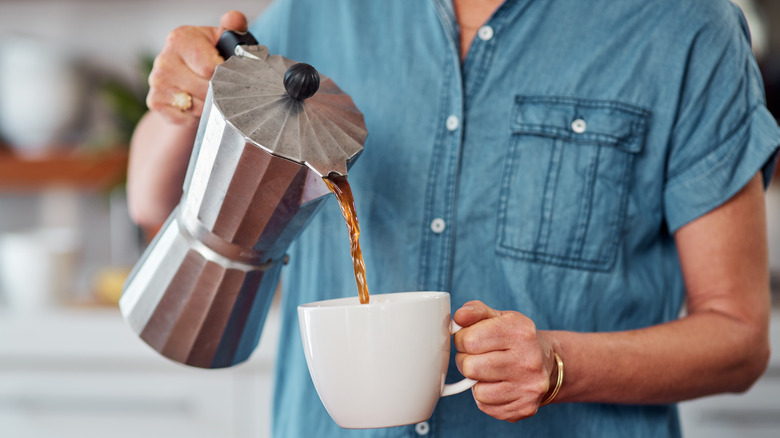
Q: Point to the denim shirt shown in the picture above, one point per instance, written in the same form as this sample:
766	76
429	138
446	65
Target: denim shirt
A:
546	173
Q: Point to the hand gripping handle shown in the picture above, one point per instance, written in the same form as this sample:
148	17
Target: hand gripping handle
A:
457	387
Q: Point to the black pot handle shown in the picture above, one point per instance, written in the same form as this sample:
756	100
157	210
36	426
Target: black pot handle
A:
230	39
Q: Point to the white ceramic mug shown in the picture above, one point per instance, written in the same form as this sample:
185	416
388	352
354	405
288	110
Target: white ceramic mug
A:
380	364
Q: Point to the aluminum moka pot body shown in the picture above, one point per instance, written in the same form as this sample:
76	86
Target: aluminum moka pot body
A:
201	291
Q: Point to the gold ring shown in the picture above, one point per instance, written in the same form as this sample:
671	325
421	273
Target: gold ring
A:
182	100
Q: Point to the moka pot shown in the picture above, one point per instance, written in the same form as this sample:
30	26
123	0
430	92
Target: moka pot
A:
270	130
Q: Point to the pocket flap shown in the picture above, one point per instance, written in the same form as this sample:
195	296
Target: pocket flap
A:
577	120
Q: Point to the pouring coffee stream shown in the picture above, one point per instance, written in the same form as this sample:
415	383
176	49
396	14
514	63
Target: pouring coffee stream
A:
340	187
271	135
301	82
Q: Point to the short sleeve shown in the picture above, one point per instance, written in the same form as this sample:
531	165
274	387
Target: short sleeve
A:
724	133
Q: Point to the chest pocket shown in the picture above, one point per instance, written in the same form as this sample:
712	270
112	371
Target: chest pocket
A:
565	184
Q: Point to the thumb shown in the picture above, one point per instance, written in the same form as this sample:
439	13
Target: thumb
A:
474	312
233	20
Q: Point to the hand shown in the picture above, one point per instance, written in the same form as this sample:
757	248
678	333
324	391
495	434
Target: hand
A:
185	64
507	356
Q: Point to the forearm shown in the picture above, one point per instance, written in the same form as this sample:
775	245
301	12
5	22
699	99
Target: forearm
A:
159	154
723	343
700	354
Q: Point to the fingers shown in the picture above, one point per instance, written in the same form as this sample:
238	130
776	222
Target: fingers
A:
172	72
163	106
185	64
233	20
195	47
486	367
473	312
501	331
496	366
504	406
508	358
169	76
502	393
494	393
509	387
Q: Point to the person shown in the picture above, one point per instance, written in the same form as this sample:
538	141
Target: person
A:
585	178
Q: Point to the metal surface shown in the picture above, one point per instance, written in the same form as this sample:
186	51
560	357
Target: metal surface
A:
200	293
325	131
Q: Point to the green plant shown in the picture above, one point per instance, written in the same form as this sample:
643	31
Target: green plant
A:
127	103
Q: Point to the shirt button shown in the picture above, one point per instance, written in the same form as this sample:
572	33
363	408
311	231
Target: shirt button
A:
452	123
422	428
579	126
438	225
485	33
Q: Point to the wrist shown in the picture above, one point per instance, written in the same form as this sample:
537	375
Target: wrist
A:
556	380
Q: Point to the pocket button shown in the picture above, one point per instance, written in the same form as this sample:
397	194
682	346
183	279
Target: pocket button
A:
579	126
438	225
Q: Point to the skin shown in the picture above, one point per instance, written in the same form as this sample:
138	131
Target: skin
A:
162	141
471	15
721	345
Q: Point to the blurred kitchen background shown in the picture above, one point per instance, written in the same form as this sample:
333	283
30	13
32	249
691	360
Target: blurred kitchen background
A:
72	85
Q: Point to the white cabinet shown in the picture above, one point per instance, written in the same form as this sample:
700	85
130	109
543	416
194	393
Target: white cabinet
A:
83	373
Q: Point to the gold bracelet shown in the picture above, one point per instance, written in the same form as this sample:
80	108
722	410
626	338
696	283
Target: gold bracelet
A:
558	383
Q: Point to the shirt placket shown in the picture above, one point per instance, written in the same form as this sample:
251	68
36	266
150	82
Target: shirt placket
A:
441	182
459	82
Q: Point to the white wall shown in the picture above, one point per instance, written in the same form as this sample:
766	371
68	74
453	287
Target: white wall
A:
113	33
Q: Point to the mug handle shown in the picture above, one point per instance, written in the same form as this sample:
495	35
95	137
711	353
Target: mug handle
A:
457	387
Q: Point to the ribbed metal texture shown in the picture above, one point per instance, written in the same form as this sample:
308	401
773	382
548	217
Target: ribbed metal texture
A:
324	131
200	293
